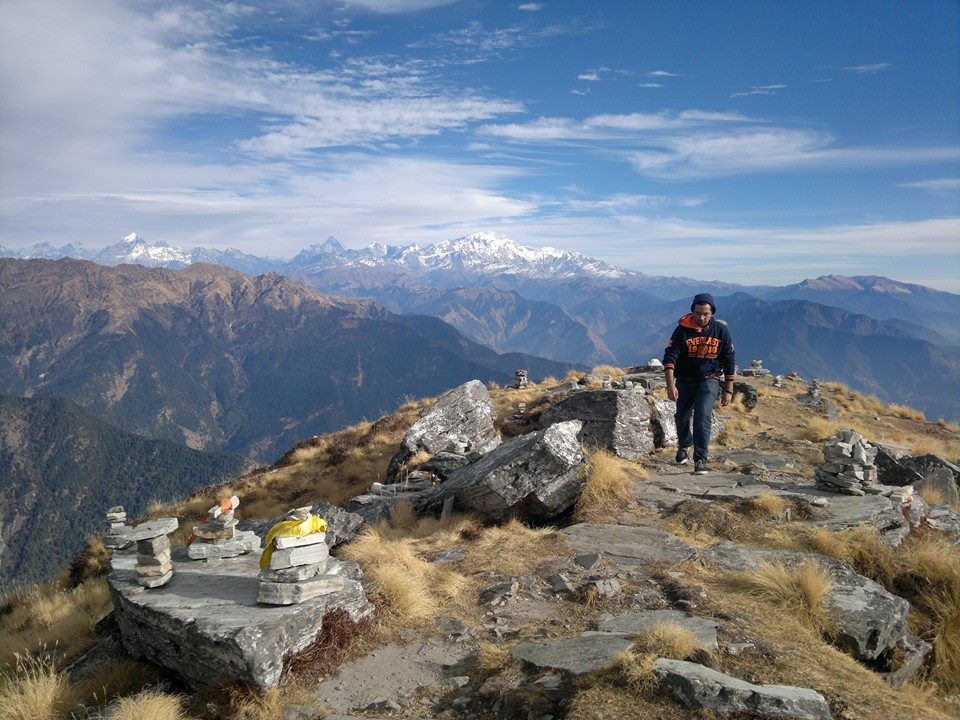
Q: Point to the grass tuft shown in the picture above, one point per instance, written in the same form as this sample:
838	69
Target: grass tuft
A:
667	640
607	489
770	504
801	588
148	705
35	690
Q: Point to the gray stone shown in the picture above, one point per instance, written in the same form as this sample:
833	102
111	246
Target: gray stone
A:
868	620
159	559
700	688
296	573
604	587
444	464
461	421
497	592
207	626
281	543
890	469
627	544
153	546
305	555
575	655
663	424
154	582
560	583
618	420
915	651
635	623
245	541
288	593
151	529
749	393
447	557
371	508
587	560
535	477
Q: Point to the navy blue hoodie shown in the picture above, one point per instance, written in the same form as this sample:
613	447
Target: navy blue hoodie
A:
696	353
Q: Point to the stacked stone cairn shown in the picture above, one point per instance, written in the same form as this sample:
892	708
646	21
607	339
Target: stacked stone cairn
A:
520	380
218	537
756	369
849	466
521	411
154	565
300	568
778	381
115	537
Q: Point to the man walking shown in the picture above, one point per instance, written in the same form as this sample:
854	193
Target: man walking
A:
699	352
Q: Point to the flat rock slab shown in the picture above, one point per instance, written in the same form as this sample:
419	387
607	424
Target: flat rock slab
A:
636	623
151	529
576	655
847	510
748	456
627	544
207	626
390	672
868	620
701	688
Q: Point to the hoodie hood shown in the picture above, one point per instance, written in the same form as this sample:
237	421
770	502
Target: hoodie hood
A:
687	321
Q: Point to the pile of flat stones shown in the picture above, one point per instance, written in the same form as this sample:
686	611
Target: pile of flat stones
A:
520	380
218	537
154	565
300	567
115	537
756	369
648	376
849	466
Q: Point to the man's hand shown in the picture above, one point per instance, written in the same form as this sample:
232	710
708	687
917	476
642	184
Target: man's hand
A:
672	392
727	398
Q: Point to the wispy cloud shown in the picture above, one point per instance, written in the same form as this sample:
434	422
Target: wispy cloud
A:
946	184
606	127
397	6
589	76
649	85
868	68
580	91
475	43
530	7
662	73
760	90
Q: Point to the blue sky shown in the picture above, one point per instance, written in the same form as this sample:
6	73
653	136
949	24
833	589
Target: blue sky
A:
748	142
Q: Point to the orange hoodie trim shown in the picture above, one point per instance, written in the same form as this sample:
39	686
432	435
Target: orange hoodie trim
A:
687	321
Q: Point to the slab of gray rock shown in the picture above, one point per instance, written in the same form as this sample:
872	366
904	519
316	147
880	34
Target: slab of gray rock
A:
534	477
631	624
574	655
206	625
664	426
746	456
890	468
618	420
151	529
372	508
868	620
444	464
627	544
700	688
460	421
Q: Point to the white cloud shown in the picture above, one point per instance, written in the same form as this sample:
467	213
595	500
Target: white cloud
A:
868	68
578	91
590	76
760	90
662	73
936	185
530	7
474	43
608	126
649	85
397	6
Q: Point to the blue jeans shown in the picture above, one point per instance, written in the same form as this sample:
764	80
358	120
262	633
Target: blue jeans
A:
697	398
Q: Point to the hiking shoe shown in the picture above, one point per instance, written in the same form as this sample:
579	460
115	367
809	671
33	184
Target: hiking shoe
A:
682	456
700	467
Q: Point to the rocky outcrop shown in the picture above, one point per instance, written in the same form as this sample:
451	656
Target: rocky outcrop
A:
868	621
535	477
618	420
627	544
574	655
207	627
700	688
460	421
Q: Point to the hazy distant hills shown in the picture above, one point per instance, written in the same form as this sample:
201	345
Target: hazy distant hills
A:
61	467
218	360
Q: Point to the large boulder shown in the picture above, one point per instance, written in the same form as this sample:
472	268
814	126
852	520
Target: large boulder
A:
890	468
700	688
460	421
536	477
207	626
618	420
868	620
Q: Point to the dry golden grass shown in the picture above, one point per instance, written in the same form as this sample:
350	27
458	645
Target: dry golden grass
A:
516	548
606	492
614	372
489	660
819	429
770	504
634	671
800	588
50	623
667	640
735	428
148	705
113	679
33	690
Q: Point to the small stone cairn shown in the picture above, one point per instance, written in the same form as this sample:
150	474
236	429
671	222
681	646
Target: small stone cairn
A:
219	537
115	537
849	466
520	380
154	565
298	568
521	411
756	369
816	402
778	381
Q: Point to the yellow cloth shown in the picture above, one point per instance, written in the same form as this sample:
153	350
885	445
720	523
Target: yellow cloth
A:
291	528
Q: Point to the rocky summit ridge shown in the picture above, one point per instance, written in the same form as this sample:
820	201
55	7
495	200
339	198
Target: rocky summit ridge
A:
533	551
